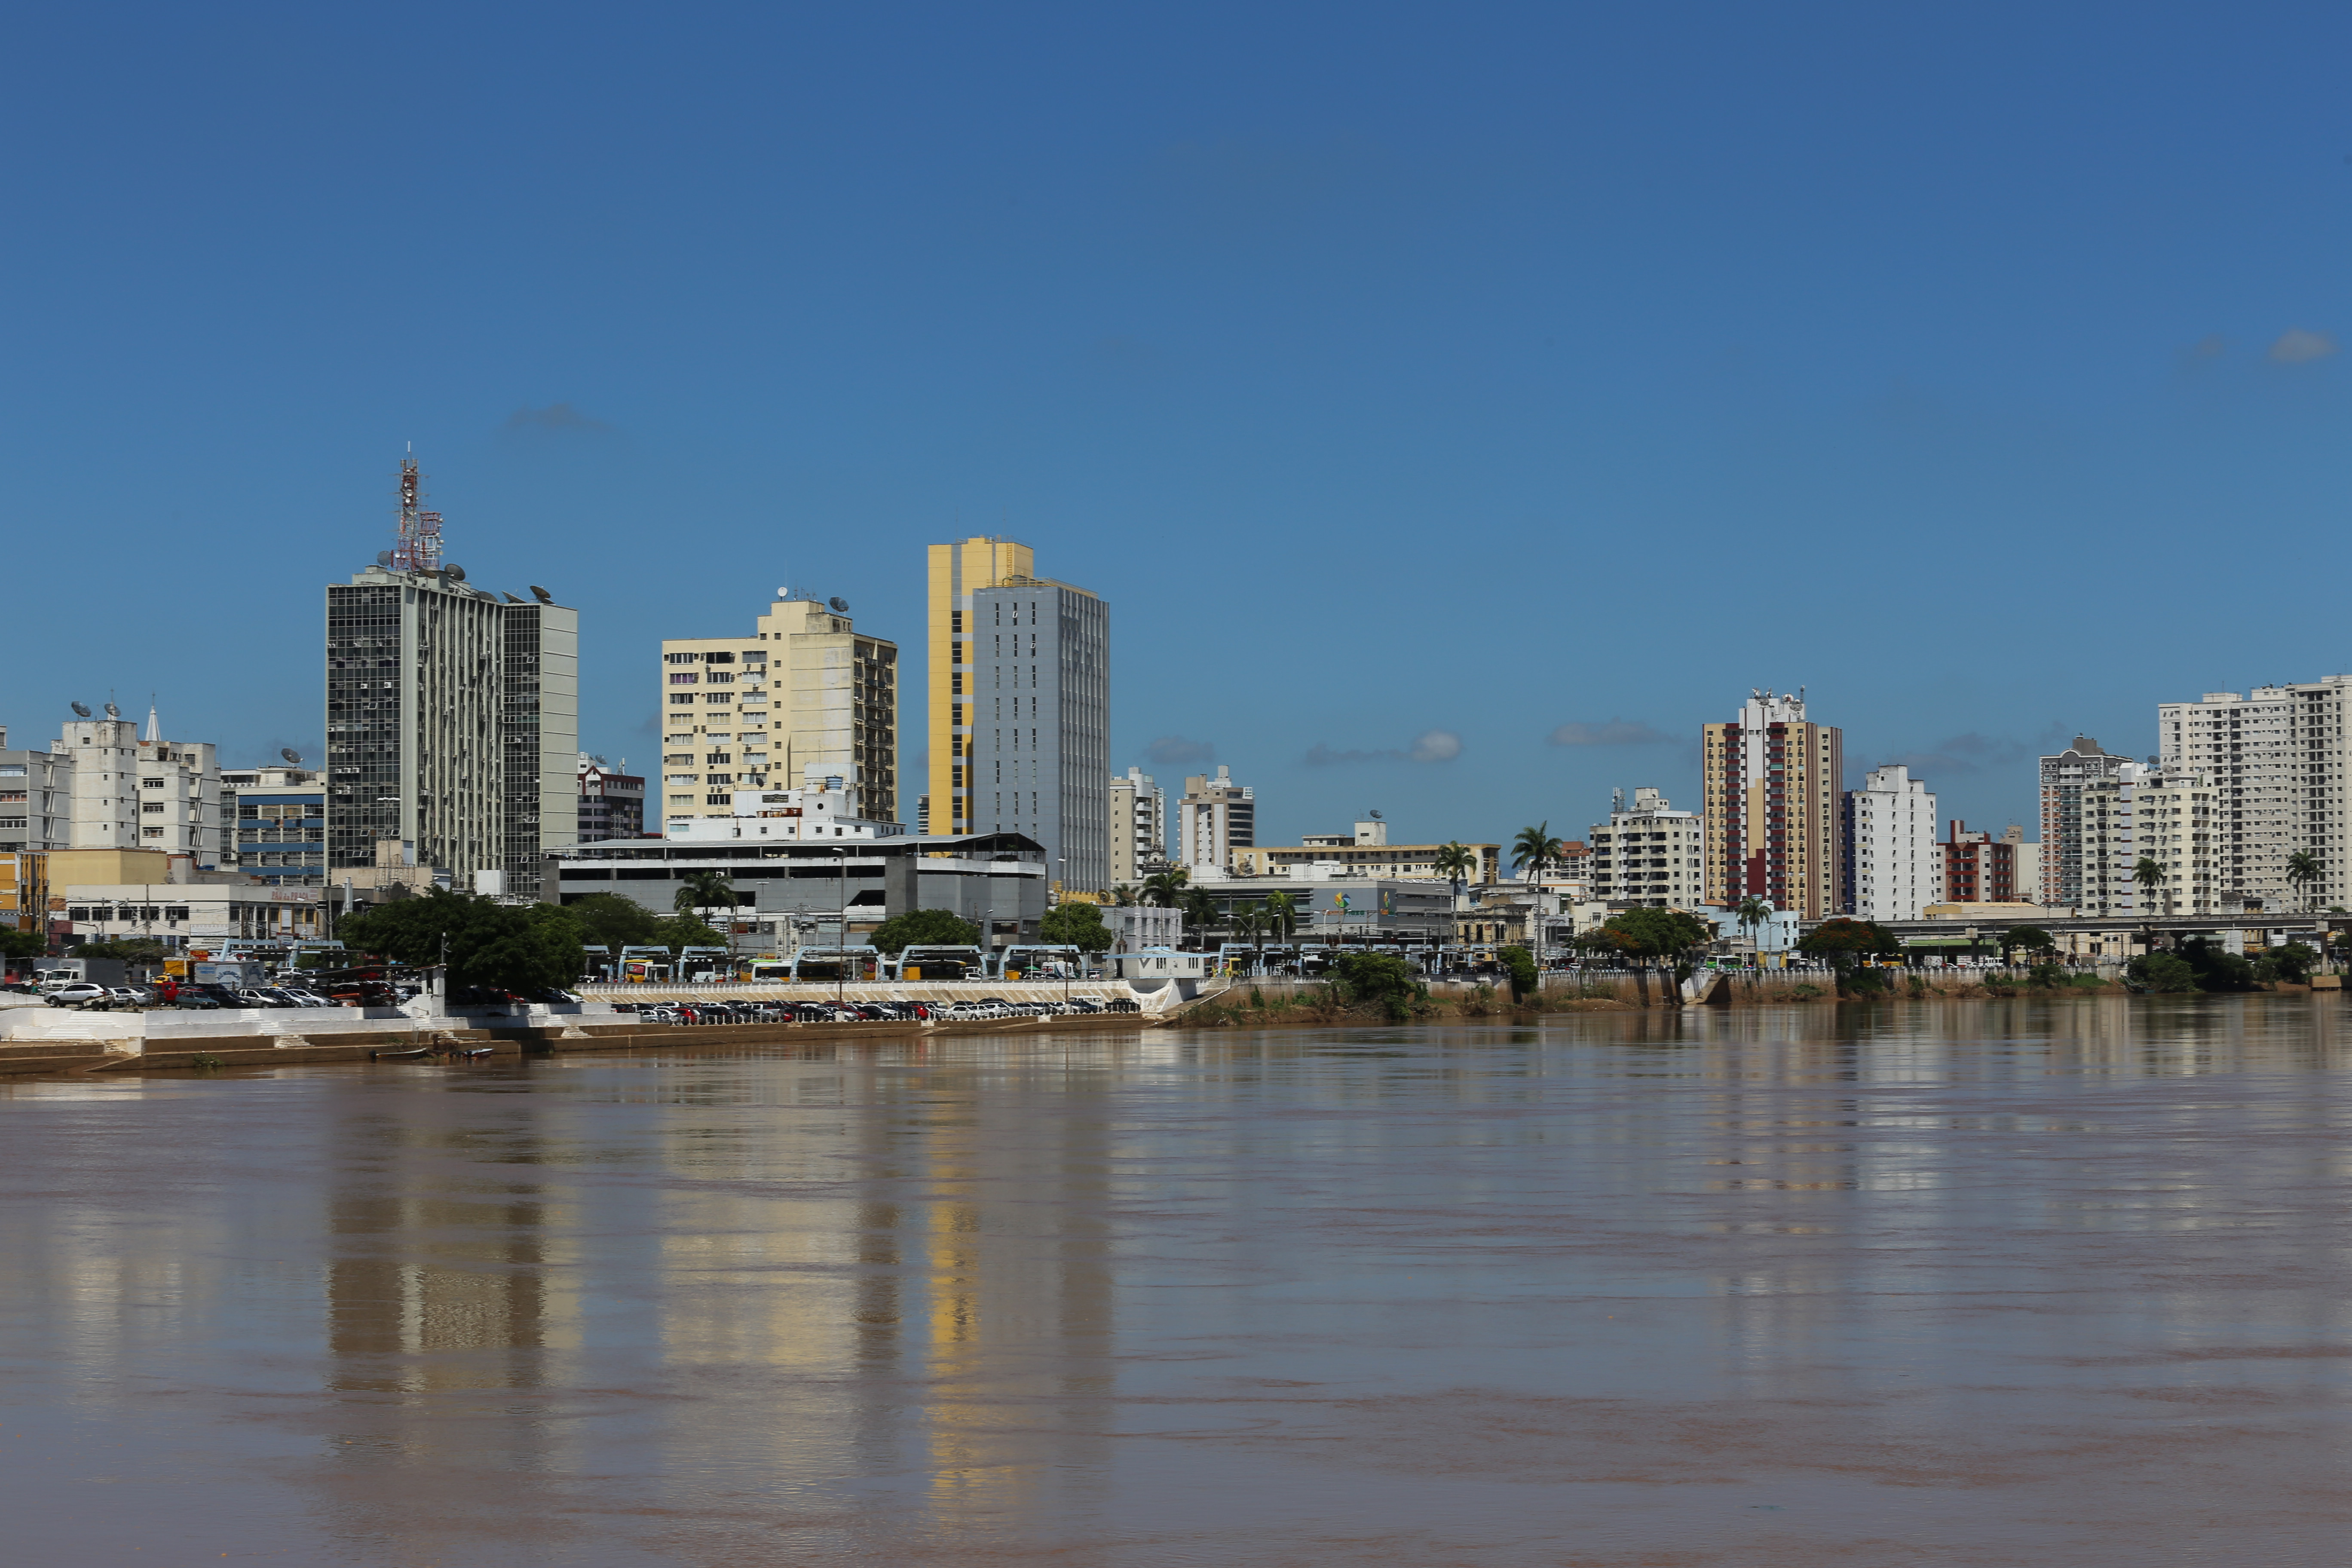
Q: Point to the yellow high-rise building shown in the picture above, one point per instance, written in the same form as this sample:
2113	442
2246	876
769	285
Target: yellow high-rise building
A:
957	571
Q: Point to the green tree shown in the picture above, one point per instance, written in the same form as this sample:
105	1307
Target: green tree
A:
1536	851
1123	895
932	928
2026	939
2216	967
1200	913
2161	971
2304	868
678	933
1521	966
129	949
2149	874
1166	888
706	890
17	943
1843	944
1382	978
1075	924
1457	862
2291	963
488	944
1281	915
1752	914
613	923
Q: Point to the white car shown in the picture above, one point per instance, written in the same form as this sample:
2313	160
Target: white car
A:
78	993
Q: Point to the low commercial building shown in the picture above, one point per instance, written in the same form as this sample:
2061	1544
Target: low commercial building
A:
280	824
1366	849
1135	927
193	915
802	878
1339	905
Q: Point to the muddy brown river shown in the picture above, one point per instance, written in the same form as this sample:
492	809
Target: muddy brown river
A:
2011	1282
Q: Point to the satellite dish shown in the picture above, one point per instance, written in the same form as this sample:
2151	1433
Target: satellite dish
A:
541	594
112	712
454	573
840	604
509	599
383	558
82	709
293	758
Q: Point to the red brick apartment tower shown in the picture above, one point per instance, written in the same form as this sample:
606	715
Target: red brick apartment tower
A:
1978	867
1772	783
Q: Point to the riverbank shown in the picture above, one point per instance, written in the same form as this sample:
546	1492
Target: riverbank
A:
1311	1004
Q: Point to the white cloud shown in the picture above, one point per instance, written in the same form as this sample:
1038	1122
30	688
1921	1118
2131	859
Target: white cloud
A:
2297	346
1616	733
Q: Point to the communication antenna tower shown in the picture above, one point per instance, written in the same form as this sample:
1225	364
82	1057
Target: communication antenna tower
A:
419	549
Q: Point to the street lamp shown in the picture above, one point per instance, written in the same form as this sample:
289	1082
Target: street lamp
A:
841	929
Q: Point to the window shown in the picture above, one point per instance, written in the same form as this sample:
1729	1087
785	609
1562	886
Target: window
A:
150	783
153	832
152	808
714	697
688	679
716	677
678	658
681	697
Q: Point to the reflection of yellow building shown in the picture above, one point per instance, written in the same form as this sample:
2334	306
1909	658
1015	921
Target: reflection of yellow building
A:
957	571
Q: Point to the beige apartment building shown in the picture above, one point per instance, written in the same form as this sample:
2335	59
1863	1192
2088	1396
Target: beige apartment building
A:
2278	760
805	694
1650	856
134	792
1774	779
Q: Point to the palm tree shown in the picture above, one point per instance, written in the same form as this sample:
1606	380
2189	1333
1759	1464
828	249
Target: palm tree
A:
1123	895
1455	861
1751	914
1532	852
1165	889
1200	912
1249	922
1282	914
2304	868
704	890
2149	874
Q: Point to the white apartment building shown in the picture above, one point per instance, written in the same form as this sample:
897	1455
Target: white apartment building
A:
2279	764
2142	811
135	792
1215	818
824	806
1895	863
1139	826
805	691
1651	854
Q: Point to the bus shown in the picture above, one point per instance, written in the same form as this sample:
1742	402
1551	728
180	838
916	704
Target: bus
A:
918	960
858	961
1038	961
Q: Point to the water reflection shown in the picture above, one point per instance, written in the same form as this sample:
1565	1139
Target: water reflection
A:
2039	1277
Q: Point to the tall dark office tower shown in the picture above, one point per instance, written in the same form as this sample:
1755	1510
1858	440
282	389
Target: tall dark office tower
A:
1039	707
453	715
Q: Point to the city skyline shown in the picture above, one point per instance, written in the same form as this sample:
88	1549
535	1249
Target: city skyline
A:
1239	336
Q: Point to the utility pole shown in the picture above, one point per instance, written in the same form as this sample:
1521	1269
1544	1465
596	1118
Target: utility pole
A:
841	969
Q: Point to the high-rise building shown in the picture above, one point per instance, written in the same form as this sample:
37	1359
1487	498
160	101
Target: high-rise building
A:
1772	808
1138	828
453	718
36	791
955	572
1037	740
2137	812
1215	818
1893	867
2279	762
806	694
1650	856
131	791
280	823
2065	776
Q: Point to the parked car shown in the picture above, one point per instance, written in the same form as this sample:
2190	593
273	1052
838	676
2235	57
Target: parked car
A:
78	993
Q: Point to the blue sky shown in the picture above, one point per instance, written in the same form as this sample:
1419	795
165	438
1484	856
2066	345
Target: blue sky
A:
1457	405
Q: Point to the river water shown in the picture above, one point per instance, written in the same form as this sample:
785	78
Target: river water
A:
2010	1282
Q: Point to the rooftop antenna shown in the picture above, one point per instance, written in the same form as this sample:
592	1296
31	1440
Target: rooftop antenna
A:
81	708
293	758
1616	801
541	594
419	549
